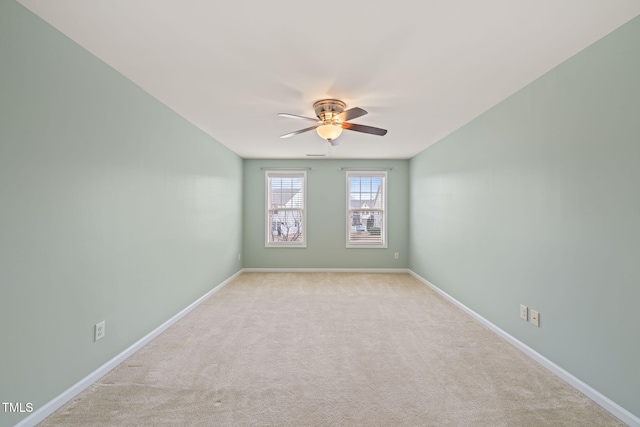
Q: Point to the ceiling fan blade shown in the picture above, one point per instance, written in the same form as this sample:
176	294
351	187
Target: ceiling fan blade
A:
365	129
293	116
290	134
352	113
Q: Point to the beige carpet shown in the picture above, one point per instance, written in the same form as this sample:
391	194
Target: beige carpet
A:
329	349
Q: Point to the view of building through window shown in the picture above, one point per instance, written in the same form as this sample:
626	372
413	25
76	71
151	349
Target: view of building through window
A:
285	208
366	208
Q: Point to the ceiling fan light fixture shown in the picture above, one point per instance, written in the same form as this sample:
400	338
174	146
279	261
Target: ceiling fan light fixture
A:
329	131
331	119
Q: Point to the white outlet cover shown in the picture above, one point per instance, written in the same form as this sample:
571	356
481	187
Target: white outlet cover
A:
524	312
99	330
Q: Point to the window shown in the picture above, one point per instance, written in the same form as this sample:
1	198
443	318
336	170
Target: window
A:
286	204
366	209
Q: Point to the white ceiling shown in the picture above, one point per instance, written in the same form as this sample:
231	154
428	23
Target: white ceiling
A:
421	69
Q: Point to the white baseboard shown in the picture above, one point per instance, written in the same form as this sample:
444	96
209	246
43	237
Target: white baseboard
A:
612	407
325	270
53	405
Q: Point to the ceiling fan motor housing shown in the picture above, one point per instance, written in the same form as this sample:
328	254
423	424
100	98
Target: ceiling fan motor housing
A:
327	109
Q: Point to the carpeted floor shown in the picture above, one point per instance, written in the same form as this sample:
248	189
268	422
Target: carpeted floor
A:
329	349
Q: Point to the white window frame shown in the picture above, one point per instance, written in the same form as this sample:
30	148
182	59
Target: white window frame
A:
383	210
269	211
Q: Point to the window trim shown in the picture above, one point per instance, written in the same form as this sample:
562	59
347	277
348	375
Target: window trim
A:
279	172
384	210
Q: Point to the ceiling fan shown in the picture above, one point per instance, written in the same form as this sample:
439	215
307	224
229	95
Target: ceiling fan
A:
332	119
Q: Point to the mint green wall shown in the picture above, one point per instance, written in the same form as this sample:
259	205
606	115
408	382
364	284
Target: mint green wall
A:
326	217
111	207
537	202
110	210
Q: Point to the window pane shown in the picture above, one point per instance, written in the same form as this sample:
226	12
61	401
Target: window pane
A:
365	185
286	226
287	192
365	227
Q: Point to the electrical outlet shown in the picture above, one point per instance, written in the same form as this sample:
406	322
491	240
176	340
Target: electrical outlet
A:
535	318
523	312
396	255
99	331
